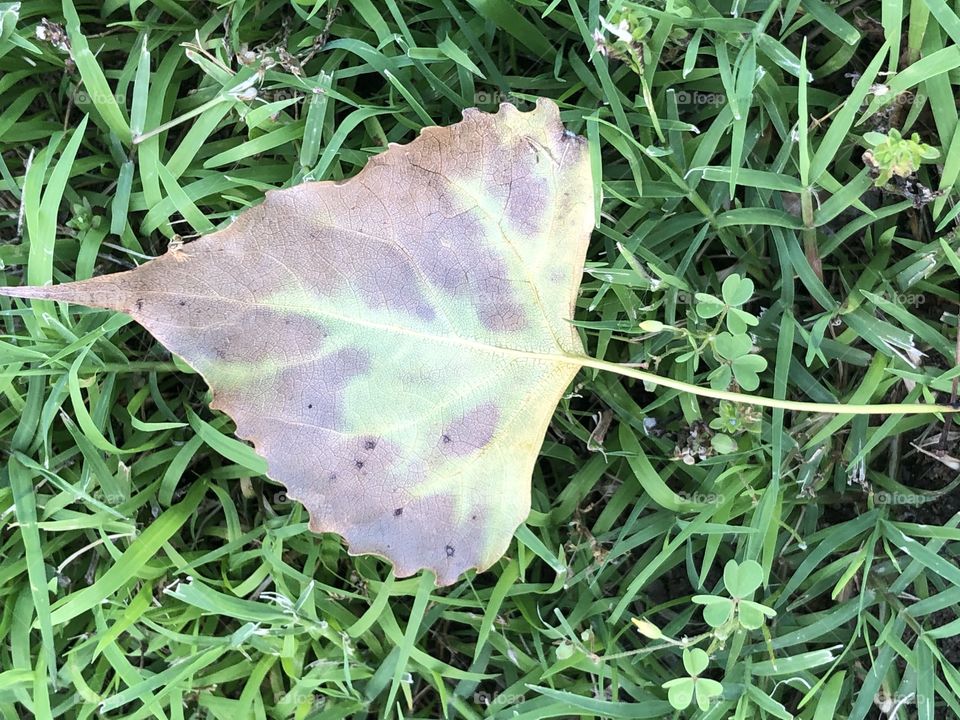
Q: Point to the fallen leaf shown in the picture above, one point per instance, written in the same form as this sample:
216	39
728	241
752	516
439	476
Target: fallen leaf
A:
393	345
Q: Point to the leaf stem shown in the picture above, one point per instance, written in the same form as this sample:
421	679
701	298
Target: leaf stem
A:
75	292
831	408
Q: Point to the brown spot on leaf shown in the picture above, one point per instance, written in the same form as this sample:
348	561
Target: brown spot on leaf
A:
472	431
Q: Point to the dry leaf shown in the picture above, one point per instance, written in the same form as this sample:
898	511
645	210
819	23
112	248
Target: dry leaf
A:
394	345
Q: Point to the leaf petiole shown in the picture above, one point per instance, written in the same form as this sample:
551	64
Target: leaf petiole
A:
831	408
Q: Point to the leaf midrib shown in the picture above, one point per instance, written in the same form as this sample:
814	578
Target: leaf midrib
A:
560	358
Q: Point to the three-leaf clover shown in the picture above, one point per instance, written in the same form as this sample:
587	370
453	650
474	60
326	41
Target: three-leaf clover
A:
737	361
741	580
682	691
735	292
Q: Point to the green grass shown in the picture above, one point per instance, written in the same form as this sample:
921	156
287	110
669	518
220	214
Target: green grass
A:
148	569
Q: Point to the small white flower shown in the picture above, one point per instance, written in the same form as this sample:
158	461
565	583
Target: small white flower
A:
599	43
621	30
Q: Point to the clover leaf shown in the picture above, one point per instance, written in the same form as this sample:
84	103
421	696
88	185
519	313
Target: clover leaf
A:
735	291
734	352
741	581
682	691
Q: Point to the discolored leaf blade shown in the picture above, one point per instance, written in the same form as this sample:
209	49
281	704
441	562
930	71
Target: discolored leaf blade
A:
393	345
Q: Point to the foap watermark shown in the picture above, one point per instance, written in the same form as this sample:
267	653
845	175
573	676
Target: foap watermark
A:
884	497
890	705
881	92
297	698
282	94
108	498
495	699
82	96
702	498
686	298
905	299
698	97
491	97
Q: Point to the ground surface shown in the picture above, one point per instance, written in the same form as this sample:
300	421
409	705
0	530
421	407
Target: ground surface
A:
147	569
